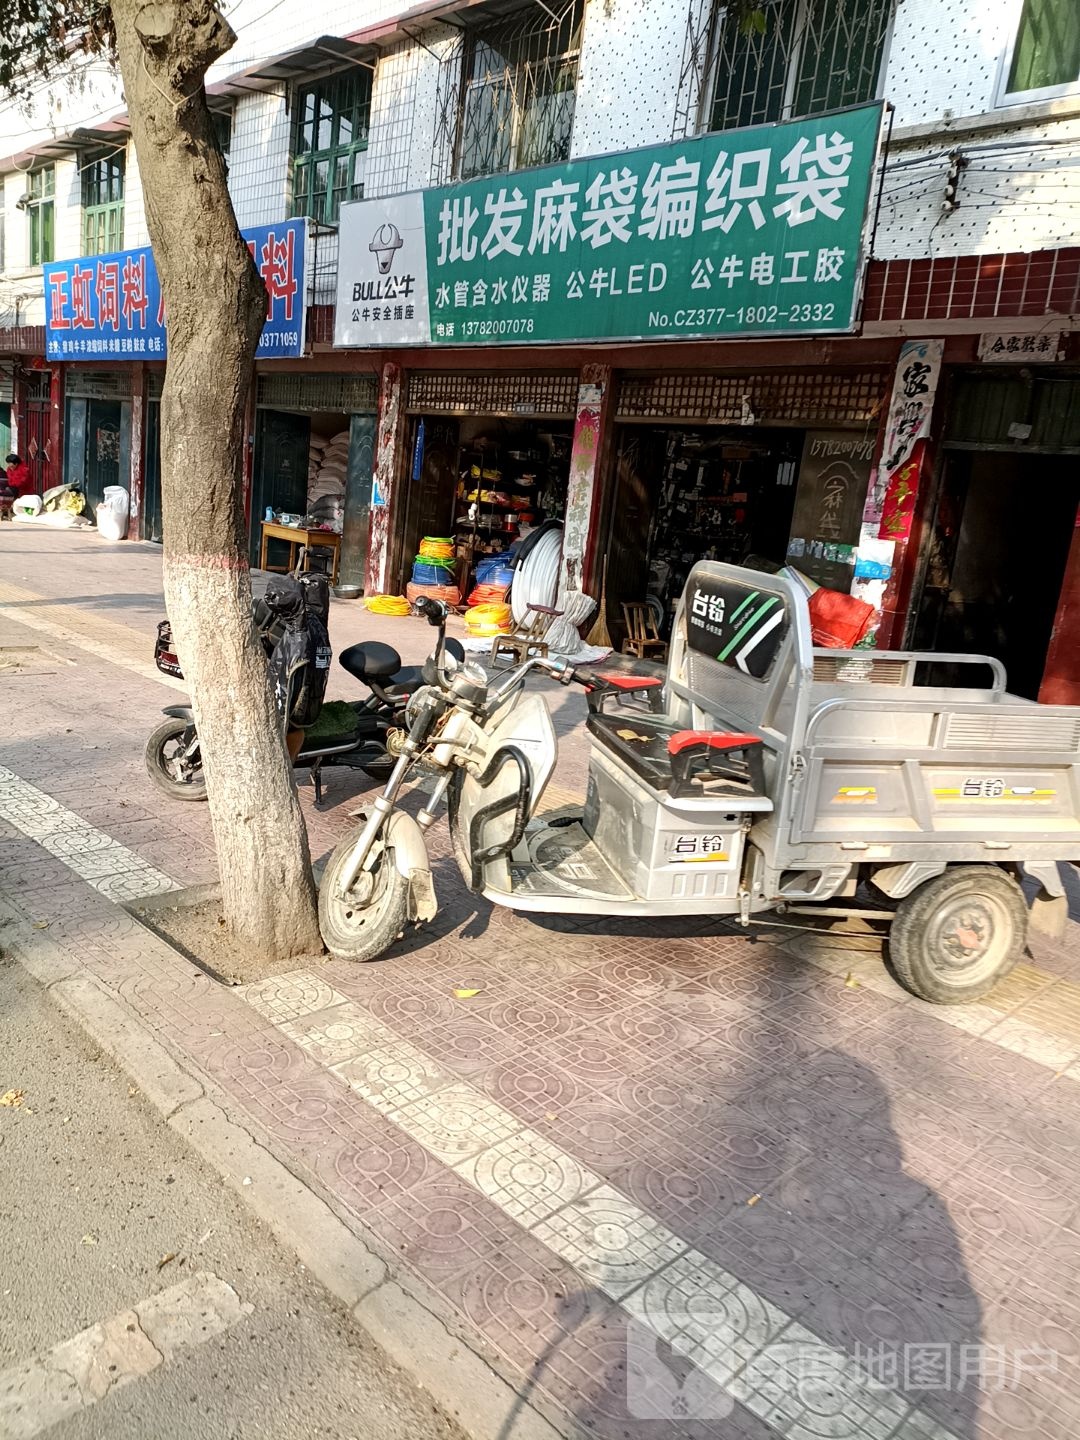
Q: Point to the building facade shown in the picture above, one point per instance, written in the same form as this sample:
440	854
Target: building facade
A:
924	455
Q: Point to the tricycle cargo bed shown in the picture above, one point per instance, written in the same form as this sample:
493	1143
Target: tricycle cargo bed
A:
864	762
927	765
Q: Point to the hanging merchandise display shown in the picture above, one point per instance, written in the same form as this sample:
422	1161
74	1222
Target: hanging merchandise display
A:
507	487
717	494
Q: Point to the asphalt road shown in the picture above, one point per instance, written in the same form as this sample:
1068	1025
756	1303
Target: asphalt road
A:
95	1193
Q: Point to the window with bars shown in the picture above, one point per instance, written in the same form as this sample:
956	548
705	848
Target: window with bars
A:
1044	59
41	185
330	141
803	57
519	86
103	203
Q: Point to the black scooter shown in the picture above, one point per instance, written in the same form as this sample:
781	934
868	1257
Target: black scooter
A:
358	734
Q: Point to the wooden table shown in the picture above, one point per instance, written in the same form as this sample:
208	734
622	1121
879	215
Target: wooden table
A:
296	536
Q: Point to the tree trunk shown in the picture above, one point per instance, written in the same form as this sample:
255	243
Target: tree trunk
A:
215	305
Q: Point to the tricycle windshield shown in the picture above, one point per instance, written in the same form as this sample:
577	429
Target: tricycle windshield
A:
735	622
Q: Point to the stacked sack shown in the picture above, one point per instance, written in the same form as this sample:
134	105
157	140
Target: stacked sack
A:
433	571
327	463
494	577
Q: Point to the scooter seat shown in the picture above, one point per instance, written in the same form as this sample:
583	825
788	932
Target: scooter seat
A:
639	741
407	679
371	660
670	759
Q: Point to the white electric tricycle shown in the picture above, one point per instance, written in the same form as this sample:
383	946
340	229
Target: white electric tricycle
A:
757	775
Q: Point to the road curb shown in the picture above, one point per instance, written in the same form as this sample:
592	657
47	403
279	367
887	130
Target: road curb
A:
115	1028
459	1379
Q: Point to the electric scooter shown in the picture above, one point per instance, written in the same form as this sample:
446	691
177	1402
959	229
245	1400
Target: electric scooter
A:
356	734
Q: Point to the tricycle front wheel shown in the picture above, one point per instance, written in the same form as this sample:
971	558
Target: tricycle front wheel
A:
955	937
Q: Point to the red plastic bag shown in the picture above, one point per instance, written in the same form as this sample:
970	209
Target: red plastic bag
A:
838	621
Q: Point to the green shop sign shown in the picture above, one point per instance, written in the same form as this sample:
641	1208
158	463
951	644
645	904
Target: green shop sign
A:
745	232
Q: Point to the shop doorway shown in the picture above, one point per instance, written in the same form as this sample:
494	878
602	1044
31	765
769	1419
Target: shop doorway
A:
151	516
485	481
97	447
279	482
996	558
305	461
683	495
34	442
432	480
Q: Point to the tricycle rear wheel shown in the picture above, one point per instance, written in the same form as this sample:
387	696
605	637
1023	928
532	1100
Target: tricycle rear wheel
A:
955	937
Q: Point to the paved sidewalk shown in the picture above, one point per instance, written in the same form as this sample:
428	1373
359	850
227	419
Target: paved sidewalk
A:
635	1146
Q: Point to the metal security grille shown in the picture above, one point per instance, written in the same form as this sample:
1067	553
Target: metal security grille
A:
37	385
7	384
348	394
155	383
806	57
98	384
781	398
984	409
447	393
507	91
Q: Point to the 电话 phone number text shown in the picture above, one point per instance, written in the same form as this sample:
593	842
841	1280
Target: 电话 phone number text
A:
509	325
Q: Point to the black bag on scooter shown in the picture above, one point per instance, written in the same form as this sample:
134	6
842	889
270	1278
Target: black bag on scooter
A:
300	662
316	588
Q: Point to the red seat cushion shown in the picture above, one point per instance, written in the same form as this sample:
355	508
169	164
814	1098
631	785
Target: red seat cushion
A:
629	682
714	739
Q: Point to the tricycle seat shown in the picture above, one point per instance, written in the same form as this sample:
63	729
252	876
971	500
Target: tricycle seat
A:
683	763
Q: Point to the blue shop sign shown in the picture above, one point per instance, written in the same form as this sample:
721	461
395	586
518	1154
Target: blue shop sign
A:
109	307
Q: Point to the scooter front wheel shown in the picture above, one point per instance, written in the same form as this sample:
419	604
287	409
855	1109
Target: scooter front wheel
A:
365	921
183	779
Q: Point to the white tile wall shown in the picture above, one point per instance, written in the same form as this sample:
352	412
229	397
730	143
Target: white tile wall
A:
944	64
20	288
135	231
1011	198
945	57
90	94
623	102
403	114
67	224
273	27
259	159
